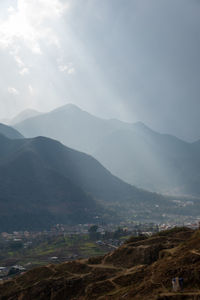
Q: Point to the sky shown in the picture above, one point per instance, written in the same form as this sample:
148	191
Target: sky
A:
135	60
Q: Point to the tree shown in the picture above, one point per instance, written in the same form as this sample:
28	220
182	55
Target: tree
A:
93	232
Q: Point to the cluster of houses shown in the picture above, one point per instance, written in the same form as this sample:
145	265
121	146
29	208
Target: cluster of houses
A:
7	272
27	238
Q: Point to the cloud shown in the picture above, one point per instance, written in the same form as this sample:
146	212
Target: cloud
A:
31	89
24	71
68	68
31	22
11	9
71	71
63	68
18	60
13	91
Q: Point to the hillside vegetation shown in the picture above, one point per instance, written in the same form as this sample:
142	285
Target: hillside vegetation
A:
140	269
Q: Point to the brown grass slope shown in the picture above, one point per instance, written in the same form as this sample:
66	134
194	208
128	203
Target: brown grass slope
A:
140	269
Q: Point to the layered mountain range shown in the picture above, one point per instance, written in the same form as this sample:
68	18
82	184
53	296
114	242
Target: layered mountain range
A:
25	114
133	152
43	182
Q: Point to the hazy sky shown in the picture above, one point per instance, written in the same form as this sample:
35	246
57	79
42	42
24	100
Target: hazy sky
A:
128	59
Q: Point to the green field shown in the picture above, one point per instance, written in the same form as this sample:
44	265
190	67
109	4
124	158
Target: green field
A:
42	251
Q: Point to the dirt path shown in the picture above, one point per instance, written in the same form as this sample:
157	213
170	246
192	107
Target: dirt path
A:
102	266
195	252
181	294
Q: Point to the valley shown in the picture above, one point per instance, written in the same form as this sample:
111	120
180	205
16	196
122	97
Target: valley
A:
99	150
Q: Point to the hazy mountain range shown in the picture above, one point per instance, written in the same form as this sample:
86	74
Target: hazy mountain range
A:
25	114
133	152
42	183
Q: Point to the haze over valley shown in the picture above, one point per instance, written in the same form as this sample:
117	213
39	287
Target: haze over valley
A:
99	150
132	151
44	183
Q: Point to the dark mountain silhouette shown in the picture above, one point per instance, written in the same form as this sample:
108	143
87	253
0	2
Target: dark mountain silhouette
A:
10	132
133	152
33	195
43	183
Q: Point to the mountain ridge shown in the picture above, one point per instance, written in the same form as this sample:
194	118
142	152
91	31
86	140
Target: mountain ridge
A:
132	151
23	115
10	132
45	180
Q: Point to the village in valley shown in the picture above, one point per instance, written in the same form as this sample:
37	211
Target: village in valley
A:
24	250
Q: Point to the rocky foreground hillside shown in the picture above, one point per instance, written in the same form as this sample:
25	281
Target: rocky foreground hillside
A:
141	269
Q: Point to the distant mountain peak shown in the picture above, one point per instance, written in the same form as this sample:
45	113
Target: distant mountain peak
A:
68	107
141	126
25	114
